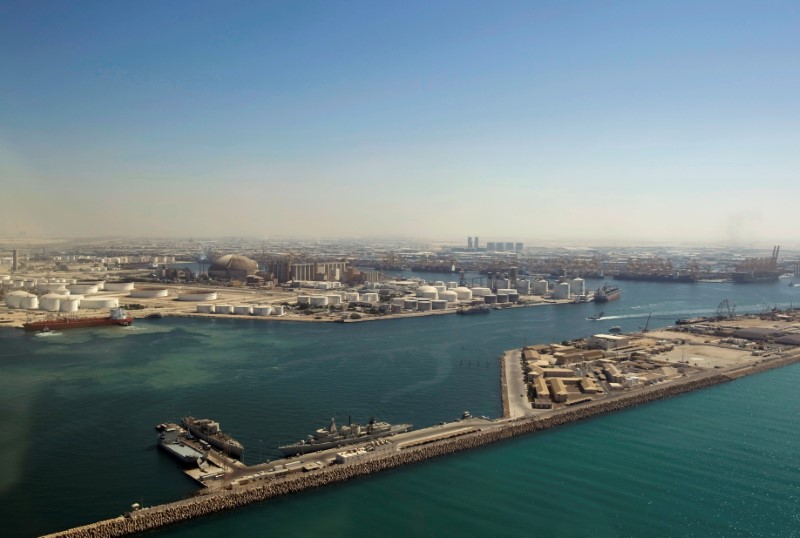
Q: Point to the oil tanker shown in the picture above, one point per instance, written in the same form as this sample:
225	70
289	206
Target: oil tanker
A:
117	316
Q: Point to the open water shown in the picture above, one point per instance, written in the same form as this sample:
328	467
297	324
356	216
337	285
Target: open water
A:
78	409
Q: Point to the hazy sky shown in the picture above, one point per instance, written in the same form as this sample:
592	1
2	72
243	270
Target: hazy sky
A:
508	120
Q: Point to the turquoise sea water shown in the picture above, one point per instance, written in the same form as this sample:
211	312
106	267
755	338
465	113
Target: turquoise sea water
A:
78	412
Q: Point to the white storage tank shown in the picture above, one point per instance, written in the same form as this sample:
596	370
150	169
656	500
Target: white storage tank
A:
524	287
199	295
424	306
303	299
31	302
577	286
410	304
334	299
243	310
502	283
540	287
481	292
277	310
318	300
14	298
439	304
119	286
451	285
371	297
351	297
561	291
463	293
70	303
438	283
440	289
86	289
506	291
149	293
96	303
398	301
223	309
449	295
205	309
262	310
50	302
427	292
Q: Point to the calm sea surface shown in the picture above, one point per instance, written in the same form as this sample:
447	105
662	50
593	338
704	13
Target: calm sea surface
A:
78	409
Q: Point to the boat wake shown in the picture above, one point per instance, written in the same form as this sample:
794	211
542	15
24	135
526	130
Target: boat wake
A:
47	333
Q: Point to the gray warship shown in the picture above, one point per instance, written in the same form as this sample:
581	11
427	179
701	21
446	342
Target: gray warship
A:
333	437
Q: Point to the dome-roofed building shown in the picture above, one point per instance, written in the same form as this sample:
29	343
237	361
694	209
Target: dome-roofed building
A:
232	267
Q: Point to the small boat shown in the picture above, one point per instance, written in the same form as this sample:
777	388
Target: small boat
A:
597	316
616	329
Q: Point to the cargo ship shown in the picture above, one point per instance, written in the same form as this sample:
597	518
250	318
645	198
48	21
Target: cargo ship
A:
208	430
657	277
117	316
333	437
606	293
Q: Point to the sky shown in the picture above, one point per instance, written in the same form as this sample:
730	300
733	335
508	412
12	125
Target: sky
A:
531	120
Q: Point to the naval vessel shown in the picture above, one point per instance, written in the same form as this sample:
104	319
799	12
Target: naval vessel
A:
333	437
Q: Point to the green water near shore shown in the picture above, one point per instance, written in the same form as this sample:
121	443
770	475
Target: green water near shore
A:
78	411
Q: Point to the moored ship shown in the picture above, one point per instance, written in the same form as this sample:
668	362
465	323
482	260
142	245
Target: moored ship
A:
607	293
209	431
117	316
476	309
172	439
333	437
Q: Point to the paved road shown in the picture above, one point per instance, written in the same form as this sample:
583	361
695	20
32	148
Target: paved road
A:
518	404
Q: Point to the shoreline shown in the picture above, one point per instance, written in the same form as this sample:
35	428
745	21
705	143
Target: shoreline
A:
151	518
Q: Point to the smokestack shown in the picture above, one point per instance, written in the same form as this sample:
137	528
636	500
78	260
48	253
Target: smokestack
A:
14	263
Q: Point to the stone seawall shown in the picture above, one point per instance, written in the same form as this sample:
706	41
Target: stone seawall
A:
176	512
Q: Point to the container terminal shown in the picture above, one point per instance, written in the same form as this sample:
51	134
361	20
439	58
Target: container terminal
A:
542	386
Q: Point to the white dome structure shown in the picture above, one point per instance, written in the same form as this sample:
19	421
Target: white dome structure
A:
463	293
449	295
427	292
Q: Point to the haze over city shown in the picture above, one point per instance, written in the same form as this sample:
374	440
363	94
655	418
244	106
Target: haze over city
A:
587	121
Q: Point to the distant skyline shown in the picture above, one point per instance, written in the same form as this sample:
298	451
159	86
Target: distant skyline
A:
586	122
